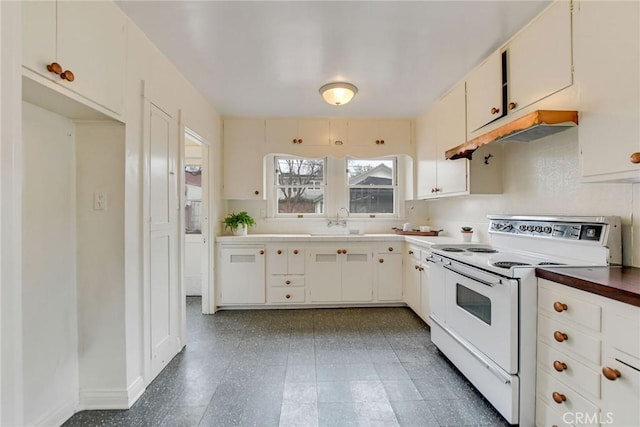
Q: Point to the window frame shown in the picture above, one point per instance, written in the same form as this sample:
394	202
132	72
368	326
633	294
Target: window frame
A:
395	186
275	188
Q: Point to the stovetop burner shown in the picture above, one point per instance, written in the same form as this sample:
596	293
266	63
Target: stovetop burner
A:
452	250
551	263
482	250
509	264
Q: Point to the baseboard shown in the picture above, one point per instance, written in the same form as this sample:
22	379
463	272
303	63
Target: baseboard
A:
59	415
106	398
135	390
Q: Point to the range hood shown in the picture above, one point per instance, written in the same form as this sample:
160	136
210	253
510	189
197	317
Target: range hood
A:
533	126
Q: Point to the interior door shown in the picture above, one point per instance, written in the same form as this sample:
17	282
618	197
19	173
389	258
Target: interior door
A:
163	239
207	292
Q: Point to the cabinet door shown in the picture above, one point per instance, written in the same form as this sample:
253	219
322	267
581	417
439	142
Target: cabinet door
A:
339	131
242	276
243	145
281	132
412	285
426	154
357	274
620	397
92	44
425	300
323	277
389	277
484	93
395	133
295	260
314	132
277	259
363	132
39	36
451	174
539	57
607	62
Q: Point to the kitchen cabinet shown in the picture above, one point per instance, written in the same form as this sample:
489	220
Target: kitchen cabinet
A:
388	133
285	259
296	132
588	358
540	57
241	274
451	175
243	159
607	66
388	278
413	269
341	273
426	154
285	273
87	39
484	93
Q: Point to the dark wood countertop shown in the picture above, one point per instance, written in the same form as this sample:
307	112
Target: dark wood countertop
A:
618	283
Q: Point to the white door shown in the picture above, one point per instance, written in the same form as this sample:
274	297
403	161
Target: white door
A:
163	238
323	275
357	274
206	258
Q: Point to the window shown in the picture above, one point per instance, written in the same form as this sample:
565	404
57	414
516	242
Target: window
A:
372	185
193	199
300	185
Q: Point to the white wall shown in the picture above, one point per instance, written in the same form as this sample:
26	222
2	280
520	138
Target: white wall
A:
49	275
101	321
542	177
193	264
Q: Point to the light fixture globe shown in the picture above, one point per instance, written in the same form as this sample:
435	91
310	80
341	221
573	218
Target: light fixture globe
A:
338	93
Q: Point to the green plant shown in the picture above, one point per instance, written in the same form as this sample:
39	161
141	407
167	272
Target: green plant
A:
467	229
233	220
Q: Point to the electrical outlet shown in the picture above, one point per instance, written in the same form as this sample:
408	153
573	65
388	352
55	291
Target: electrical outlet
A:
100	201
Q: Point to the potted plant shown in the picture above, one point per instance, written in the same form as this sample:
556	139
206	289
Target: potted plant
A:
467	233
238	223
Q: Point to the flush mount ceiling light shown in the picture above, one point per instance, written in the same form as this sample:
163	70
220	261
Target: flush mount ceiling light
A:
338	93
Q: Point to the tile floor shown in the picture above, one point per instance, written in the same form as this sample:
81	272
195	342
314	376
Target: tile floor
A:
321	367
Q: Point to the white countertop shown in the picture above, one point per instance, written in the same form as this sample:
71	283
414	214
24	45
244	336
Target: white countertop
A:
268	238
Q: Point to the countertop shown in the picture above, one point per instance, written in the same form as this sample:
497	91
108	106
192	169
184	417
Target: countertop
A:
618	283
311	238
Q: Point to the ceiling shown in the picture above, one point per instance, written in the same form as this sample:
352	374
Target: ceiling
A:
269	58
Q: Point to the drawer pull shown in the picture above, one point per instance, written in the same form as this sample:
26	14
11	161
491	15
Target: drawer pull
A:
417	267
559	366
611	374
295	252
558	397
279	251
390	249
381	260
495	110
339	251
344	251
560	336
287	296
261	252
559	306
410	252
288	282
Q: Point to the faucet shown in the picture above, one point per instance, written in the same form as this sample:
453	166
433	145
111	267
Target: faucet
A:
337	221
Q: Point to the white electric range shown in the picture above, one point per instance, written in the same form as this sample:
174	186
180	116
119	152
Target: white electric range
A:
484	299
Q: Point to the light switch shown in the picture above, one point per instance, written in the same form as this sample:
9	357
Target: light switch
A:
100	201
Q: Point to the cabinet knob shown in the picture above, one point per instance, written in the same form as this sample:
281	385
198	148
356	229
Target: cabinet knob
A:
559	366
560	336
559	306
295	141
512	105
288	282
261	252
382	141
54	67
417	267
339	251
635	158
611	374
256	192
421	268
558	397
295	252
344	251
410	252
279	252
381	260
68	76
377	142
390	248
433	190
287	296
300	141
495	110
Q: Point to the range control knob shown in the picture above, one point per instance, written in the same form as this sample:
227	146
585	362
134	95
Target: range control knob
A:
523	228
538	229
547	230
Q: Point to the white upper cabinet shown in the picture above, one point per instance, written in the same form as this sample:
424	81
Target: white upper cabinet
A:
243	159
297	132
371	132
87	39
607	62
539	57
484	93
426	153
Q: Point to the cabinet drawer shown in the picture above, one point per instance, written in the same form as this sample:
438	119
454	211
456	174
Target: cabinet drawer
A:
391	248
576	374
286	281
560	305
286	295
573	403
577	344
547	417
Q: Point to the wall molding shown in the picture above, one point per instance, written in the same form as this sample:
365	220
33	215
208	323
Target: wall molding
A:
103	398
135	390
59	415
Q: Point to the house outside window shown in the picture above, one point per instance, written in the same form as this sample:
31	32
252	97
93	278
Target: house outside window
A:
372	185
300	185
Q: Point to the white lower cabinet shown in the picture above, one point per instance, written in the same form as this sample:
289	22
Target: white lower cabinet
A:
412	273
588	360
241	274
340	274
388	280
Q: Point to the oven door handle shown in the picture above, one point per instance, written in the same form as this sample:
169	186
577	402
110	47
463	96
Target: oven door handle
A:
484	282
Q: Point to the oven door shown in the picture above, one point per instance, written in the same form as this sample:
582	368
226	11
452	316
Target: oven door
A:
482	308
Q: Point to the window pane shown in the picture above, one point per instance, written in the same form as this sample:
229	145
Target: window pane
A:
292	171
370	172
300	200
371	200
193	199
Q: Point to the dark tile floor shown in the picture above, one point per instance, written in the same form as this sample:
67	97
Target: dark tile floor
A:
321	367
